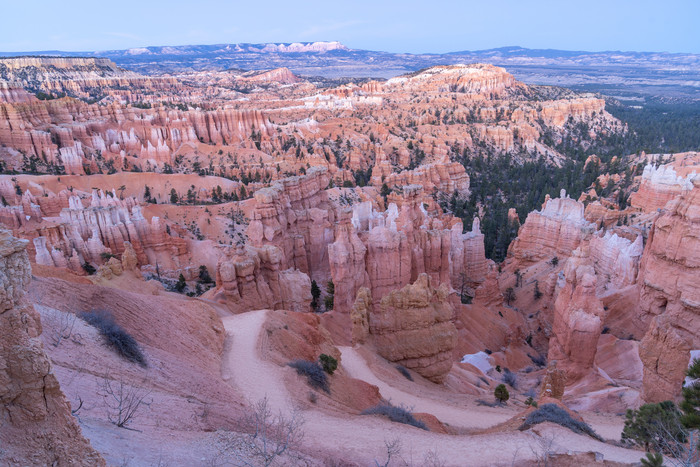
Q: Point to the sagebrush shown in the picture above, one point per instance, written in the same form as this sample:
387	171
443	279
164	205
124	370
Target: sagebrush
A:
115	336
555	414
314	373
398	414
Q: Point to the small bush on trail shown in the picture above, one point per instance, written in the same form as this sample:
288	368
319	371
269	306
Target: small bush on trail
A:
398	414
402	369
328	363
315	375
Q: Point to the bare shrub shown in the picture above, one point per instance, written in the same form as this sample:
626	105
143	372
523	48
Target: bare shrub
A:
314	373
393	449
432	459
543	450
269	437
115	336
393	453
123	402
60	326
398	414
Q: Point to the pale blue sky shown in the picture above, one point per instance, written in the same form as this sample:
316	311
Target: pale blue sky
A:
395	26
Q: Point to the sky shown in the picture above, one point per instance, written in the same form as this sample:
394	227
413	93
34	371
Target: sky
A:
410	26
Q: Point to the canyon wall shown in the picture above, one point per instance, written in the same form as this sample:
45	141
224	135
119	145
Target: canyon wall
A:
670	296
38	427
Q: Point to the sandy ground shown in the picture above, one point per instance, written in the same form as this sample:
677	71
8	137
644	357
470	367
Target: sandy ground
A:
362	438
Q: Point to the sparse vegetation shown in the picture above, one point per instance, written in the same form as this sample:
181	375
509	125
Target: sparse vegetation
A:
115	336
314	373
539	360
652	459
330	297
537	292
204	276
181	284
89	268
509	295
398	414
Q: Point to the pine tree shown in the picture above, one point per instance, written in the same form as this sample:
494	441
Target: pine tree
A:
315	294
181	284
501	393
691	398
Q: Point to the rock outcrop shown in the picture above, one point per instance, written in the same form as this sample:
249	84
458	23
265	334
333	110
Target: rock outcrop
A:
250	278
556	230
414	327
670	296
290	216
578	318
38	428
660	185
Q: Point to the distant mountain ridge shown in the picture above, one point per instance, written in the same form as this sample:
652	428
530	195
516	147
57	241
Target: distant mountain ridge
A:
671	75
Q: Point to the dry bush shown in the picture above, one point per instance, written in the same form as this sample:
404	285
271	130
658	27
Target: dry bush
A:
314	373
398	414
123	402
543	450
115	336
270	436
555	414
60	326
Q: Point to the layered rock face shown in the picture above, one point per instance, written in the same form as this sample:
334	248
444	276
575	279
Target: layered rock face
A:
578	318
659	186
38	427
346	256
557	230
388	250
670	296
291	216
251	278
69	136
413	327
78	77
481	80
444	176
616	260
82	234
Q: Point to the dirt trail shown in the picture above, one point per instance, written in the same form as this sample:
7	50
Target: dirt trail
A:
362	438
465	417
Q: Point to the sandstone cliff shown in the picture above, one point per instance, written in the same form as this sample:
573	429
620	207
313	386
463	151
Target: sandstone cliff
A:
670	296
38	427
414	327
